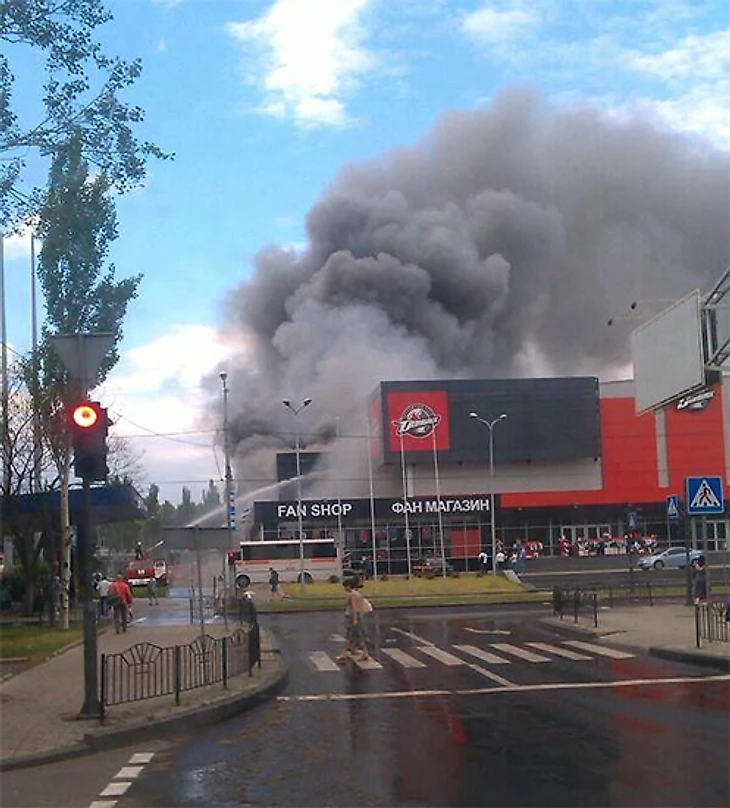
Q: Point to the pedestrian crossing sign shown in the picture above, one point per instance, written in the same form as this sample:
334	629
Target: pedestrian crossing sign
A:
705	495
673	506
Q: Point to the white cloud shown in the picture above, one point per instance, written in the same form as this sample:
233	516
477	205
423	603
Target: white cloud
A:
311	57
695	71
669	62
489	25
156	390
17	245
696	57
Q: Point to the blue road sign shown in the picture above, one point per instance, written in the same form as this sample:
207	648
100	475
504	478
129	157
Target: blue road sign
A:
673	506
705	495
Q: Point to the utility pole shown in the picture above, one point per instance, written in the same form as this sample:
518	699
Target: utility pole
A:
82	354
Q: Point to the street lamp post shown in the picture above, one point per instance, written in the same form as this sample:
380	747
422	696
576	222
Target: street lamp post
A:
490	426
296	411
229	495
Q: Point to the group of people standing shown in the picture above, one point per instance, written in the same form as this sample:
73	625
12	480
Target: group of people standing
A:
116	597
515	561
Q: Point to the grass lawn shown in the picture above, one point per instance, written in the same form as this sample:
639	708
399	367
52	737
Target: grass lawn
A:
35	642
399	591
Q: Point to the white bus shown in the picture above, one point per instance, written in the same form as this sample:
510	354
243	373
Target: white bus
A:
256	558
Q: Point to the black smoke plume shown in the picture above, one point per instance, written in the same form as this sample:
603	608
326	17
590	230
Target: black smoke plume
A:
498	246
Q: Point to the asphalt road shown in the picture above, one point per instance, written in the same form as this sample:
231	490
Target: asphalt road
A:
458	707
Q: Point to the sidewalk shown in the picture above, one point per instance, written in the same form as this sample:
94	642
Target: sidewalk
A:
39	707
664	630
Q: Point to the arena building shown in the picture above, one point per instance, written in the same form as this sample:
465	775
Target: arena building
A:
571	461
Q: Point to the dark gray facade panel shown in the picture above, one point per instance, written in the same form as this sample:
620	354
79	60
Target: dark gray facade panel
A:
547	419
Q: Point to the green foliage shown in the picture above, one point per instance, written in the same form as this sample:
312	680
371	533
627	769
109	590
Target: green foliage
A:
211	497
81	97
77	223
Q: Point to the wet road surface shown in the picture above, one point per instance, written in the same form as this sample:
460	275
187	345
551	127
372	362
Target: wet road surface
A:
459	707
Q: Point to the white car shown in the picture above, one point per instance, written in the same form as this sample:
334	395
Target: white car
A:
673	558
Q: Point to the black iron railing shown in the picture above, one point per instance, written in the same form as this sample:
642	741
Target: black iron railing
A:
147	671
576	602
712	622
585	601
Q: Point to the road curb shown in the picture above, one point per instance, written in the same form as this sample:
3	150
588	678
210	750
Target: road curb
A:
193	718
702	658
694	657
571	628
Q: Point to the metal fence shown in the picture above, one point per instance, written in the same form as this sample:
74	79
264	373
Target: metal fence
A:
208	607
585	601
575	602
712	622
147	671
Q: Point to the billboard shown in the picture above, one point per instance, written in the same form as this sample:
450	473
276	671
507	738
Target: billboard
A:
667	354
547	419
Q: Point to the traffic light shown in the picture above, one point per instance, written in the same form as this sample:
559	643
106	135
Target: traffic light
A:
89	429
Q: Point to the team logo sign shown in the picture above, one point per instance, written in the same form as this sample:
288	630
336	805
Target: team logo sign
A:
696	401
417	420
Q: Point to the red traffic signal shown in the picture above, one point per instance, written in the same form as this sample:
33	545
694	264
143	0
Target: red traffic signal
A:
89	428
85	416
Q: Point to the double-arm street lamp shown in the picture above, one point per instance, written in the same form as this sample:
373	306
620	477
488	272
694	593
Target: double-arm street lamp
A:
296	411
490	426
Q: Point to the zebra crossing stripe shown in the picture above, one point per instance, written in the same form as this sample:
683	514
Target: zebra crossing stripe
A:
441	656
368	664
493	676
128	772
614	653
485	656
402	658
553	649
141	757
322	661
520	653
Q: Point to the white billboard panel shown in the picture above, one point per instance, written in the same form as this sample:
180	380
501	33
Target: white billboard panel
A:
667	354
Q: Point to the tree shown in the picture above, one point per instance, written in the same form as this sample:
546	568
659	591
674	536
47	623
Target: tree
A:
211	498
81	97
187	510
77	222
24	462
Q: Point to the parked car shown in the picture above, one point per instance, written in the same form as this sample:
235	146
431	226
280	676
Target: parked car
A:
430	565
673	558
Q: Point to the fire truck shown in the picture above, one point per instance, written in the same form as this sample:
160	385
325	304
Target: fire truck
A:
143	568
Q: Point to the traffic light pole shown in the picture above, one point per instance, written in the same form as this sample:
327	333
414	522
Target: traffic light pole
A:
91	707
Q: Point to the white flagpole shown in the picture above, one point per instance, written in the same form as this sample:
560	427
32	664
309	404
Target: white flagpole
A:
438	503
340	543
405	504
372	498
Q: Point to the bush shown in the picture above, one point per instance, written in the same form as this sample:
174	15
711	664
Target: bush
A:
384	577
334	579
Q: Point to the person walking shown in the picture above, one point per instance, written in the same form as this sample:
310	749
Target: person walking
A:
274	583
699	581
152	591
483	560
120	599
356	607
103	589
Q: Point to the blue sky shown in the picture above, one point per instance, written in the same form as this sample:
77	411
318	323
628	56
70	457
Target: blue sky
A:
263	102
